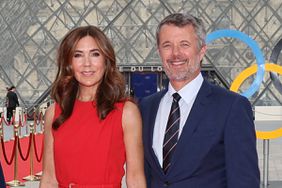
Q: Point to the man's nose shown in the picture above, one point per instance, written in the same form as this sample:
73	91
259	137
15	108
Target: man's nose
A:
175	51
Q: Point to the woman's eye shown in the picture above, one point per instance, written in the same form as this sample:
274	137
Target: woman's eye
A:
95	54
76	55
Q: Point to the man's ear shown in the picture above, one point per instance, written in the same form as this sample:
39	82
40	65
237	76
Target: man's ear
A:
203	52
158	49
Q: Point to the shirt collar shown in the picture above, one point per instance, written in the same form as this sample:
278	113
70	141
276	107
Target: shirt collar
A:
189	91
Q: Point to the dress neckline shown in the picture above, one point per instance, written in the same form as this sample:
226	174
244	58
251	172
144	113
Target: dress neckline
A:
84	102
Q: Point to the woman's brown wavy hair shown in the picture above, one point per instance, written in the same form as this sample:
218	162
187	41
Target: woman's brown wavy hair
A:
65	87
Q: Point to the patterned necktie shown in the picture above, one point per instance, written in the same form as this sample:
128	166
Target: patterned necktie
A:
171	133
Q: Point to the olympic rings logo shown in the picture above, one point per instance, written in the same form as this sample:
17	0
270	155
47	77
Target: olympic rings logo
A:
259	68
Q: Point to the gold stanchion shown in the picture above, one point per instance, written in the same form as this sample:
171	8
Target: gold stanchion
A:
35	121
13	120
1	126
31	177
41	125
1	129
19	113
25	119
42	113
15	182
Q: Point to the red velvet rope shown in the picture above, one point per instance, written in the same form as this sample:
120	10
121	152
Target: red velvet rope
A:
40	117
21	123
31	116
11	122
36	152
22	120
35	121
9	162
25	118
28	150
6	122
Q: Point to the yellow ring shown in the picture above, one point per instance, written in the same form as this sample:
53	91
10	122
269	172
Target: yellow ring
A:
242	77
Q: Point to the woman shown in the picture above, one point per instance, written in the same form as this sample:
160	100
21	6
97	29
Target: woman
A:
92	129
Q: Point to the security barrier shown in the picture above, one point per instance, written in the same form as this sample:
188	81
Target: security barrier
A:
19	121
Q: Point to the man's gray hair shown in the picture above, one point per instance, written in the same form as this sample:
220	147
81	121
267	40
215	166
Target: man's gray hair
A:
182	20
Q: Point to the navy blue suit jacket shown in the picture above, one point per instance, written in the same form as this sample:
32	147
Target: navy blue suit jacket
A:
217	146
2	180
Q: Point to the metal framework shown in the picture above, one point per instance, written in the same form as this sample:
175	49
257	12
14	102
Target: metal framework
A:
30	31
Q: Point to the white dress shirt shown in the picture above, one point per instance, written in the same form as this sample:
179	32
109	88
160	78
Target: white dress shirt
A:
188	95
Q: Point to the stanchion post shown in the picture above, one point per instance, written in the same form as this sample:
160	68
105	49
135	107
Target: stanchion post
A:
34	119
265	162
31	177
18	115
21	121
15	182
1	129
42	112
25	116
12	121
1	122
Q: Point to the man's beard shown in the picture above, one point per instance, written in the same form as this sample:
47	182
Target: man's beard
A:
186	73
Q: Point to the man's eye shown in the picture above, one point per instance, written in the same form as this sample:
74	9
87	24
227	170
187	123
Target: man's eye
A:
184	45
166	46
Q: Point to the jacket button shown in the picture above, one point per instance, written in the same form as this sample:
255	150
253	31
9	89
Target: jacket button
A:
166	184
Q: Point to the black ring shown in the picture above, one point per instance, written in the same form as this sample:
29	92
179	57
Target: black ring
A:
274	59
276	51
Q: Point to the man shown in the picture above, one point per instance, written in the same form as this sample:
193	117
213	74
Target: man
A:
203	136
12	102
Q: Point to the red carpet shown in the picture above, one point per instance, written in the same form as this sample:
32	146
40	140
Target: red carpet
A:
23	166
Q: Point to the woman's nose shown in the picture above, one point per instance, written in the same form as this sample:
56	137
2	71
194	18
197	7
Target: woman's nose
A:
87	61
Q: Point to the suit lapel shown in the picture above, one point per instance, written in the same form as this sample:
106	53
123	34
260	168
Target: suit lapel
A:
193	120
152	119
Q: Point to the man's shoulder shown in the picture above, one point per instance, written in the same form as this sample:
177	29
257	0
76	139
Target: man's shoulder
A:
9	93
224	94
153	97
218	90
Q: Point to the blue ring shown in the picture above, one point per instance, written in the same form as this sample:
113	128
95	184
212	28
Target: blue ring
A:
255	49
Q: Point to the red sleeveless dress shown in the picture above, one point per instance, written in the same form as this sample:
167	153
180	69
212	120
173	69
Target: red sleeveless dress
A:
89	153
